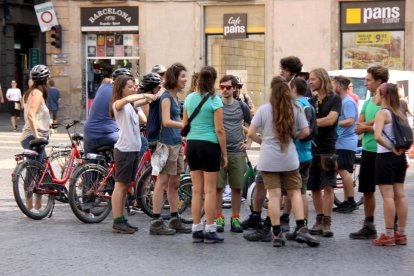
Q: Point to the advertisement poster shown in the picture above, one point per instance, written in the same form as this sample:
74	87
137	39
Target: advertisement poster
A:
361	50
91	40
100	51
110	40
119	51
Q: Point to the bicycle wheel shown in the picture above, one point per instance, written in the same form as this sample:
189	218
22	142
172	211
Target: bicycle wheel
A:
59	162
185	196
32	200
86	204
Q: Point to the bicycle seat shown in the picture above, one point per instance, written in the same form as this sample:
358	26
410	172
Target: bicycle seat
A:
105	148
39	142
77	137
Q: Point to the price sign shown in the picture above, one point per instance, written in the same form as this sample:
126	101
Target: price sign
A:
373	38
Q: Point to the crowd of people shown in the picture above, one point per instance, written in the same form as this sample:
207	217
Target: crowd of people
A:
308	133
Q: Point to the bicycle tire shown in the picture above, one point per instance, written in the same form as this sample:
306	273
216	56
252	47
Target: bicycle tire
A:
97	208
185	196
144	188
59	162
25	179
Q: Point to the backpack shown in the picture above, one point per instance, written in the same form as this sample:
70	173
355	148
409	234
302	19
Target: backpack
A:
402	132
311	117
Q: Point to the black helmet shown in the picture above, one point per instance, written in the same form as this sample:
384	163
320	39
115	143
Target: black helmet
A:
39	73
150	81
159	69
121	72
239	82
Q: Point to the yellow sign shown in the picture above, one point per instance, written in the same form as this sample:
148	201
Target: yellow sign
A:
353	16
373	38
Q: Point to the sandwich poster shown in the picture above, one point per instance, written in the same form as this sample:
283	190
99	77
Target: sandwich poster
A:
361	50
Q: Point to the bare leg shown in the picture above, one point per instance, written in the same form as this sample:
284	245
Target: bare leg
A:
210	191
118	197
259	197
369	204
297	203
197	178
235	201
158	195
401	204
328	200
387	192
172	192
348	183
317	201
274	205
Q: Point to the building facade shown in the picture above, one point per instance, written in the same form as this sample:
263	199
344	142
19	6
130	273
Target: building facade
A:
245	38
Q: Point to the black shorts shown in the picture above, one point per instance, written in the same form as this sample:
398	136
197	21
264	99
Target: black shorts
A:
126	165
322	176
346	160
367	172
12	110
390	168
203	156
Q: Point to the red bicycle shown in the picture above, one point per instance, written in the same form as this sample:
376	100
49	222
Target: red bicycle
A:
36	185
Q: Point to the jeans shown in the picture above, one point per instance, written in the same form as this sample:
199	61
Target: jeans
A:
90	145
144	146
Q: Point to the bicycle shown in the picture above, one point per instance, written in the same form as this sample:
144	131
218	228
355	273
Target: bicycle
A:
31	177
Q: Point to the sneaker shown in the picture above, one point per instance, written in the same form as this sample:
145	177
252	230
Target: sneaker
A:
367	231
122	228
251	222
317	227
326	227
384	240
212	237
198	236
88	214
34	211
262	233
159	227
129	225
400	239
235	225
279	240
303	236
220	224
348	207
343	204
284	224
178	225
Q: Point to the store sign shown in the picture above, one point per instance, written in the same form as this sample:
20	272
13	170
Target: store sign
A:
109	19
384	15
46	16
235	26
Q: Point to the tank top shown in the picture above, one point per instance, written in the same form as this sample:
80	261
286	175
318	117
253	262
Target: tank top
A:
42	122
390	133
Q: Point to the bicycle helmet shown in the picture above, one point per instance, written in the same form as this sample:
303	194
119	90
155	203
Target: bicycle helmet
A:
150	81
121	72
39	73
159	69
239	82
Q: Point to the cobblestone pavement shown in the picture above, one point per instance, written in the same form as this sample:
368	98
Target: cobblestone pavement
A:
65	246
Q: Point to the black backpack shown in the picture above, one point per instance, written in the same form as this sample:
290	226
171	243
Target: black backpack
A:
402	132
311	117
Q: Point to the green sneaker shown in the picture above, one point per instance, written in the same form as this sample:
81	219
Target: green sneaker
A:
220	224
235	225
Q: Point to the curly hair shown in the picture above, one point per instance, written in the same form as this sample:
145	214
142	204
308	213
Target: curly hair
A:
292	64
283	117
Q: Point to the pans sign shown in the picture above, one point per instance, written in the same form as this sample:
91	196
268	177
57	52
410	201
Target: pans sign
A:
235	26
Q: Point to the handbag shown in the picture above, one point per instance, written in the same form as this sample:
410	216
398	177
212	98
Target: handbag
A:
186	129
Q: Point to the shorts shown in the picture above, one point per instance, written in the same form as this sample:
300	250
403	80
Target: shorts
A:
304	175
346	160
175	161
273	180
367	172
126	165
203	156
390	168
234	173
322	171
53	114
12	109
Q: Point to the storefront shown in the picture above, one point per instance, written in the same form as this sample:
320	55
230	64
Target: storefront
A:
373	33
235	44
110	41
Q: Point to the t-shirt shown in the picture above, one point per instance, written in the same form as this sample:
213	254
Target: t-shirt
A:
369	109
53	98
271	158
170	135
326	139
347	138
304	149
233	116
202	127
14	94
99	123
128	122
354	97
154	121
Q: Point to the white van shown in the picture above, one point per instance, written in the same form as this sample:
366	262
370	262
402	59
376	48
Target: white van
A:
404	80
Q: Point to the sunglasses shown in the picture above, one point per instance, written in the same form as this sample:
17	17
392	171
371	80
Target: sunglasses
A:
228	87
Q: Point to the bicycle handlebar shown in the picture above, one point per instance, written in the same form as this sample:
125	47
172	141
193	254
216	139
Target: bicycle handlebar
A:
67	126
